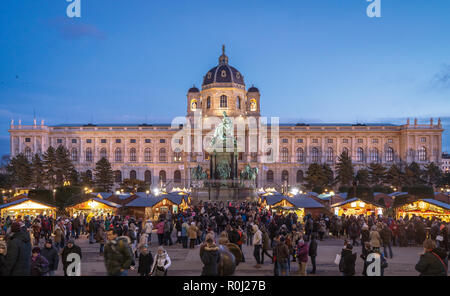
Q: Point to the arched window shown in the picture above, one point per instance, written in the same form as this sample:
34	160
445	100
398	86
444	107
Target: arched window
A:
177	176
133	155
223	101
118	176
74	154
89	155
346	151
374	155
177	156
162	176
238	103
28	153
360	155
118	155
300	155
330	154
389	154
269	155
299	176
148	155
89	175
162	155
315	155
193	104
284	176
133	175
208	102
284	154
252	105
269	177
422	153
148	177
103	153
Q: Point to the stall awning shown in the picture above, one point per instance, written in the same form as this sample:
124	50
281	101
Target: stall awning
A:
26	203
151	200
355	199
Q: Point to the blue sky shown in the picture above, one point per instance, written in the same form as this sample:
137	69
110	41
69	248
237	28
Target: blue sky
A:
313	60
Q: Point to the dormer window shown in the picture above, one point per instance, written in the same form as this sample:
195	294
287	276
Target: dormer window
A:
223	73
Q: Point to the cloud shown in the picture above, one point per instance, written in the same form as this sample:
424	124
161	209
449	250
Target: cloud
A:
441	80
75	29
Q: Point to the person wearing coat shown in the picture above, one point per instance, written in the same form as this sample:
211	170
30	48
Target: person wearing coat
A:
51	254
39	265
192	234
313	253
59	236
147	229
18	260
375	239
348	260
265	245
210	258
257	243
161	263
118	254
184	234
302	256
100	237
3	252
283	256
145	261
386	238
433	261
160	231
69	249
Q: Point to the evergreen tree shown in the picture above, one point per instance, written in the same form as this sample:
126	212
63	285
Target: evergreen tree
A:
50	167
413	174
377	173
328	175
344	170
432	174
65	170
362	177
395	177
20	171
318	177
37	167
104	175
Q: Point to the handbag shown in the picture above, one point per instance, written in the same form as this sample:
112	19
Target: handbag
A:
338	259
440	238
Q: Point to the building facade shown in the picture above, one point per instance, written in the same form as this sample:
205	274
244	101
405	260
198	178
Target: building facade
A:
144	151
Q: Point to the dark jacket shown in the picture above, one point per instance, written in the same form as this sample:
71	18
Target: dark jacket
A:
39	266
429	264
145	263
386	235
51	254
313	248
210	258
118	255
66	251
347	264
282	251
18	257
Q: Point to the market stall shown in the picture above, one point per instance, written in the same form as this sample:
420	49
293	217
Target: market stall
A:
26	206
299	204
94	206
355	206
426	208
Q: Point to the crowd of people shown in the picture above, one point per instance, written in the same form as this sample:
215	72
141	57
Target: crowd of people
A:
36	245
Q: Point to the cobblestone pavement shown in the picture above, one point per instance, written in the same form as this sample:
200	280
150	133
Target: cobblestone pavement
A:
186	262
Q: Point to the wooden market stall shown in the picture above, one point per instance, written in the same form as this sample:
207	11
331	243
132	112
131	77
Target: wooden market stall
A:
150	206
94	206
355	206
26	206
300	204
426	208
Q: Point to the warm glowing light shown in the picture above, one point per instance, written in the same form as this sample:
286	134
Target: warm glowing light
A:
294	191
28	205
362	204
353	204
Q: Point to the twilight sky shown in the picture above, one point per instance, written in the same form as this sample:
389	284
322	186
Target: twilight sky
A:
313	60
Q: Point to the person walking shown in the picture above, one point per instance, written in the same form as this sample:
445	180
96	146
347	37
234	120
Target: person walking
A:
118	254
3	252
192	233
348	260
265	245
386	238
210	258
302	256
184	233
18	260
160	231
100	237
50	253
39	265
145	261
375	239
282	251
313	253
433	262
147	229
257	245
70	248
162	263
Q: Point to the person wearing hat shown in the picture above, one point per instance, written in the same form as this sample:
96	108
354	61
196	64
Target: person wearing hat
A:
50	253
145	261
70	248
17	260
39	265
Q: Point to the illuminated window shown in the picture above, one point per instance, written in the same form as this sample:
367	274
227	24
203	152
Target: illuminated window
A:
208	103
223	101
422	153
253	105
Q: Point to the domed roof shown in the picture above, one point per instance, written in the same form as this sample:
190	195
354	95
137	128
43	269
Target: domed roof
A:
223	73
253	89
193	89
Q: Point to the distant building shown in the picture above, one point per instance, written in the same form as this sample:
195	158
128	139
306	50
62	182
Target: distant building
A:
445	162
